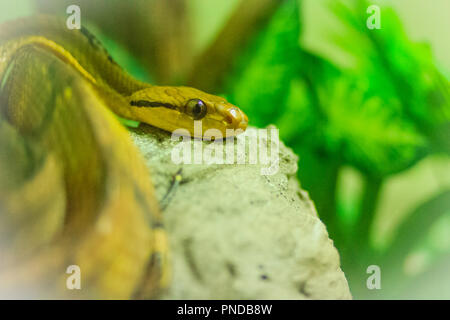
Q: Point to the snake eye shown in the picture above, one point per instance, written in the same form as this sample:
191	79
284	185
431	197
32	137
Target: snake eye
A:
196	108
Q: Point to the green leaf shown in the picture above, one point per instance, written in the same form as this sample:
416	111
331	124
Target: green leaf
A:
380	116
396	67
367	132
261	79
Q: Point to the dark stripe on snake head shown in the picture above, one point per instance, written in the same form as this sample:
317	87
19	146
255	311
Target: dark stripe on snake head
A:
151	104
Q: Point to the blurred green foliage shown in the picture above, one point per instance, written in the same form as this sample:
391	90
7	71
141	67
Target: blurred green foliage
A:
381	117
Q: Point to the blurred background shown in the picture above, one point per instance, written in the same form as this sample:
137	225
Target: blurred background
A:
367	111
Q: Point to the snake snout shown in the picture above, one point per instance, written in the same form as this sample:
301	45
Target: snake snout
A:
244	123
236	118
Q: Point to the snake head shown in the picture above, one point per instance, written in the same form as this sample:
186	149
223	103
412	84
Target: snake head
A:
172	108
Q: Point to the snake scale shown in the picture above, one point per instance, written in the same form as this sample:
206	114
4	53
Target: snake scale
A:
74	190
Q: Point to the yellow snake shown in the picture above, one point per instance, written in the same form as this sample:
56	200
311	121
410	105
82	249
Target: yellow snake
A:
73	188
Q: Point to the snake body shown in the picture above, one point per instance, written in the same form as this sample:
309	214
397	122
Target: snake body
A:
78	192
168	108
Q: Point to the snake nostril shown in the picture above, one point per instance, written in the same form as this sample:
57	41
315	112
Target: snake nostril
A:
232	116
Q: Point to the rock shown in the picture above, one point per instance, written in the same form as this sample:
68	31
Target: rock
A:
237	234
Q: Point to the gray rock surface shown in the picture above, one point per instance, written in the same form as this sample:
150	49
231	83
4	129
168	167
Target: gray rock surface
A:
237	234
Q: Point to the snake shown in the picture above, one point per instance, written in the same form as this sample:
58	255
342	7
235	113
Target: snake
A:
78	191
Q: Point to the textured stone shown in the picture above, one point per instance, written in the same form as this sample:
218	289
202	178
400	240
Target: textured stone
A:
237	234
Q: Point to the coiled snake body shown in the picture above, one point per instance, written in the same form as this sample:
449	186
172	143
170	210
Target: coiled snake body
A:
73	188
